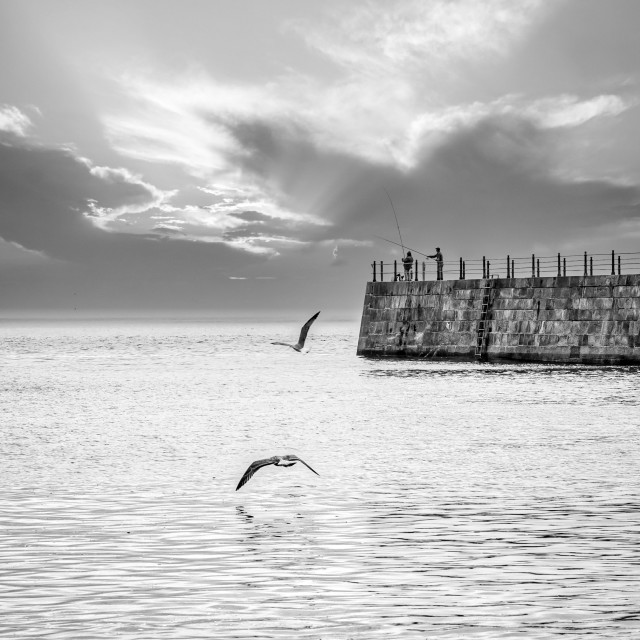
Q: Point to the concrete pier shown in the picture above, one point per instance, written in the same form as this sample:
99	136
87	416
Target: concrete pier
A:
575	319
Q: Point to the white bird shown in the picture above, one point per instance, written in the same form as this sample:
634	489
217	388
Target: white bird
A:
303	335
279	461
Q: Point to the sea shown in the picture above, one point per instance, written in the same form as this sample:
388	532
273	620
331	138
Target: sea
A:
453	499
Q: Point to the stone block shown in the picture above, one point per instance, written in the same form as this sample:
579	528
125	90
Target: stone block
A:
603	303
523	292
562	293
540	293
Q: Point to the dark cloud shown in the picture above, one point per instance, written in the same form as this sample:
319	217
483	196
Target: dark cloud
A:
307	178
258	225
494	187
251	216
43	194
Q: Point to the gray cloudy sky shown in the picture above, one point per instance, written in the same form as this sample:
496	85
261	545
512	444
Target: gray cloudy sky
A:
231	157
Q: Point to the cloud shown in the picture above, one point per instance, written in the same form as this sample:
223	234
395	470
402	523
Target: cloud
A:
298	170
386	103
13	254
12	120
569	111
417	34
493	185
45	208
430	129
168	228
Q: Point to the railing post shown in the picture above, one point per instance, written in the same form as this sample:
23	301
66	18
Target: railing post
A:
395	270
585	263
484	267
488	269
538	267
464	269
533	265
619	264
381	271
513	268
508	267
564	266
460	268
415	269
374	270
613	263
424	271
559	265
591	265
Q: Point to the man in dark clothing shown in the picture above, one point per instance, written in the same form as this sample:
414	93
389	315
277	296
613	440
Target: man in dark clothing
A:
437	256
408	263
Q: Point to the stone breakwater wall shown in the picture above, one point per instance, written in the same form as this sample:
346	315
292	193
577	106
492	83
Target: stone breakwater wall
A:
575	319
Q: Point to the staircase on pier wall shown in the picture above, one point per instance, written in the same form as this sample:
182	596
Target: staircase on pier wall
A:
482	333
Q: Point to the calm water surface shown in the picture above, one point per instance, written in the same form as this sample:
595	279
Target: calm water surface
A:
455	500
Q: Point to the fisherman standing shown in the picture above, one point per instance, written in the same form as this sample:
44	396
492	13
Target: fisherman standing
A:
408	264
437	256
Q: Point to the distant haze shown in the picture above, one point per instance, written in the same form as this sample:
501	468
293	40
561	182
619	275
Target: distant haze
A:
231	158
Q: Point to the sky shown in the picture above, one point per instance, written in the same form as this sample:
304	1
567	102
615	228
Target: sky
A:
233	157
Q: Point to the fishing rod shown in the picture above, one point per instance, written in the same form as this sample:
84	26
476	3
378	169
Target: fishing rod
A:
410	249
397	224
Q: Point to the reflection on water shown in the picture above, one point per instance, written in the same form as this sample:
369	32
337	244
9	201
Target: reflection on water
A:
487	370
455	500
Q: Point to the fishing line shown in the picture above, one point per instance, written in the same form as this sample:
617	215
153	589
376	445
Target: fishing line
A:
410	249
395	215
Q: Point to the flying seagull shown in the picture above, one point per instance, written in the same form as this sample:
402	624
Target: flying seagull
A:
279	461
303	334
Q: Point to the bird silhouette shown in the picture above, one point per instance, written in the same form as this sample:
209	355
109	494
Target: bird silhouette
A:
303	334
278	461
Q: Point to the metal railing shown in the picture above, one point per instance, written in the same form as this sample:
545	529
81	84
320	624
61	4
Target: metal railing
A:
534	266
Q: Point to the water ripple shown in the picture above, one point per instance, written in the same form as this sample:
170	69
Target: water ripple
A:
454	500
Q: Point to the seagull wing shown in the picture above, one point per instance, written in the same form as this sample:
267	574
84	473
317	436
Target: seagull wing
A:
253	467
284	344
305	330
292	457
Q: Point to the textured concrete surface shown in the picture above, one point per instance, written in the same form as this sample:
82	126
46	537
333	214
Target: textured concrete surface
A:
587	319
